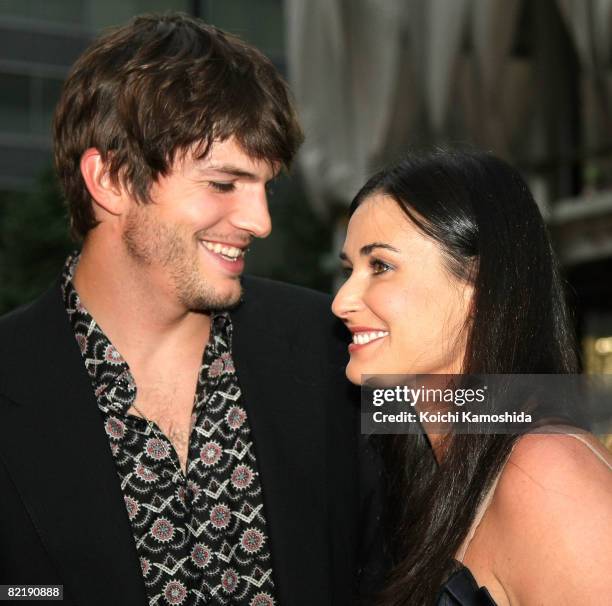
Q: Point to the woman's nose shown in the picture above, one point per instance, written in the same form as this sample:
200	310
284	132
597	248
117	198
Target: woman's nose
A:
347	300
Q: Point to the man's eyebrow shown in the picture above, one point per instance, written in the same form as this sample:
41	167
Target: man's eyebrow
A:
228	169
368	248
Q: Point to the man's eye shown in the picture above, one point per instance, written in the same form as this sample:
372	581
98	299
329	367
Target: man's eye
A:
222	187
346	271
379	267
269	189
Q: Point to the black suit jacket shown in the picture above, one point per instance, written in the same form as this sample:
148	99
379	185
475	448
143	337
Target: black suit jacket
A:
62	514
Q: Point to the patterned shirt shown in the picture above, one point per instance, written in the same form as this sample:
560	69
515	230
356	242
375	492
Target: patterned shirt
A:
201	535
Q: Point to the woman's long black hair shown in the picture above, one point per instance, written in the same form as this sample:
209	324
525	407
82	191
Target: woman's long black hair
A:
481	213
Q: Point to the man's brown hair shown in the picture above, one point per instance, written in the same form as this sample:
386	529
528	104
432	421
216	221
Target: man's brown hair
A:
158	87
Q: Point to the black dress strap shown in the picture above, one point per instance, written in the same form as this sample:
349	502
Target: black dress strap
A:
461	589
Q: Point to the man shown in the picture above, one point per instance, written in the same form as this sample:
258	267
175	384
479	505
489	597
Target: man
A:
170	433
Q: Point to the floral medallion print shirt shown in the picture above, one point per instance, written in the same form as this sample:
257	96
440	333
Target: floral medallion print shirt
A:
200	535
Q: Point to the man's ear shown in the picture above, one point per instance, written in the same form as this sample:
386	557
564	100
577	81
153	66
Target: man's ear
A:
104	192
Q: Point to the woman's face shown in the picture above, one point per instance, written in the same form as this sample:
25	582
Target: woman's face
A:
405	310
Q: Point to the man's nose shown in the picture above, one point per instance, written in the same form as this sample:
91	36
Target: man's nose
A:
252	214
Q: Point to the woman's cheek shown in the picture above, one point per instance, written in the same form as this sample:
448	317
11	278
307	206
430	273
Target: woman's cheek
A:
389	301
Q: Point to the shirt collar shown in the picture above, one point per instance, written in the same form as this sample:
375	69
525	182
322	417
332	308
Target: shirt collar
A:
103	362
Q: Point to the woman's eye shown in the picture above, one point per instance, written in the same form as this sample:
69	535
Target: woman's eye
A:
222	187
346	271
379	267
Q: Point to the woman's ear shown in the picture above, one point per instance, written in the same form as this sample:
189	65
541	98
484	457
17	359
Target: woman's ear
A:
468	300
105	193
469	289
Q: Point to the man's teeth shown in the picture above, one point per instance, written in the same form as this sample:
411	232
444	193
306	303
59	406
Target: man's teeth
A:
361	338
229	252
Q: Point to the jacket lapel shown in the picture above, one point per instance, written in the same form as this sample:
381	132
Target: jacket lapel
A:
278	383
53	443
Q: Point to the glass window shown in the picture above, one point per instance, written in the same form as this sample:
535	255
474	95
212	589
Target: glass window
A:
14	103
261	23
72	12
46	95
116	12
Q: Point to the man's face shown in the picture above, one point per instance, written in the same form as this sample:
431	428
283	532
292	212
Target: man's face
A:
191	240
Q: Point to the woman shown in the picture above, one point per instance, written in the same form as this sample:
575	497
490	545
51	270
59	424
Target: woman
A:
451	271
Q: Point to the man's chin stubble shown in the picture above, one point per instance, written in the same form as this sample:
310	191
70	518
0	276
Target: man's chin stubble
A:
209	301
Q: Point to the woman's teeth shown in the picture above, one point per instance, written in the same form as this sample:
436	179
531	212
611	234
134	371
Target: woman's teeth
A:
231	253
362	338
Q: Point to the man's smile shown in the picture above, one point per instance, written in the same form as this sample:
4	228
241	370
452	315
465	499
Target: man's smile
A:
228	252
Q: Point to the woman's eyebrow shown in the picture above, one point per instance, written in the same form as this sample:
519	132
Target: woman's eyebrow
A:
368	248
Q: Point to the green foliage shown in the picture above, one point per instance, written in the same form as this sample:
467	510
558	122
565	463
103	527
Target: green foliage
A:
34	241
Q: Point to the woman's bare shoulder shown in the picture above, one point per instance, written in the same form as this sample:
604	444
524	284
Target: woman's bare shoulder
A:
552	517
554	458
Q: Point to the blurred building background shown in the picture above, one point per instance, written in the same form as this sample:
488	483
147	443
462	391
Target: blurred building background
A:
530	80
